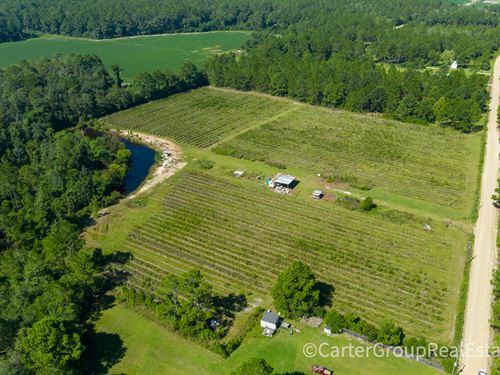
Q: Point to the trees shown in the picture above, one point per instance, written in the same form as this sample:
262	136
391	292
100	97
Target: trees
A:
187	304
159	84
254	366
295	293
390	334
335	321
367	204
50	345
50	176
496	197
451	99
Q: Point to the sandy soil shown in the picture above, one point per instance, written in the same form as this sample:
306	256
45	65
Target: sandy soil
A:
170	162
477	332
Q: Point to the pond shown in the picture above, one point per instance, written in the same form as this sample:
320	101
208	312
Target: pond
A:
143	157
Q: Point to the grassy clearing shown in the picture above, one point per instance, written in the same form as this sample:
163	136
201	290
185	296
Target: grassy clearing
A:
241	236
135	54
200	118
160	351
422	163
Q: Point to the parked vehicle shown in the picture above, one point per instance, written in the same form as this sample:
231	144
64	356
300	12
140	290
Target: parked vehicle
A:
321	370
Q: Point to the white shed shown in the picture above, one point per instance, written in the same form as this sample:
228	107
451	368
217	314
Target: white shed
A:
270	320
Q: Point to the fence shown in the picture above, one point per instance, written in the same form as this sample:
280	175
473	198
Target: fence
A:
396	351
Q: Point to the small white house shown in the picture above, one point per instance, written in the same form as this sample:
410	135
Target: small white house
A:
270	322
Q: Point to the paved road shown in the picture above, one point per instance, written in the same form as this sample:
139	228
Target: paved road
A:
477	333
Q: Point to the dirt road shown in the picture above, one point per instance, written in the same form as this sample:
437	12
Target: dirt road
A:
477	333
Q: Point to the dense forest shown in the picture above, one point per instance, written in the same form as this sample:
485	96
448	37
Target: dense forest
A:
360	27
56	167
385	56
282	66
393	60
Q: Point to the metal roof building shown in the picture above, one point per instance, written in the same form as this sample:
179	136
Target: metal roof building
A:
285	181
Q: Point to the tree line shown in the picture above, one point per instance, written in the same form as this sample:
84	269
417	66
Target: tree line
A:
275	66
58	166
362	27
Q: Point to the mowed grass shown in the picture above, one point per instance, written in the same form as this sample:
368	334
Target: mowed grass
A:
240	235
423	163
134	54
159	351
200	118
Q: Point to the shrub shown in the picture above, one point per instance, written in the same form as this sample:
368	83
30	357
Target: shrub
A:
204	163
367	204
335	321
390	334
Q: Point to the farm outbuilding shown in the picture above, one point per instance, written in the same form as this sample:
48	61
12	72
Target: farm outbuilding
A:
285	181
327	330
270	322
317	194
282	181
238	173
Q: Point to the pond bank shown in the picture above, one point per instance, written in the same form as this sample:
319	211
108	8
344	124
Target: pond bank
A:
170	162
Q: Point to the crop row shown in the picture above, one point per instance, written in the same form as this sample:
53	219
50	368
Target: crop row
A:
429	166
241	237
200	118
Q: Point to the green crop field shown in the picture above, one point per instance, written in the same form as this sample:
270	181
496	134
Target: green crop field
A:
200	118
382	264
419	162
134	54
241	236
411	165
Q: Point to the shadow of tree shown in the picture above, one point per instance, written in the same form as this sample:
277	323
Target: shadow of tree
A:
113	275
326	292
105	350
231	304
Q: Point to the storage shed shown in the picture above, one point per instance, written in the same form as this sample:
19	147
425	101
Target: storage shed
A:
285	181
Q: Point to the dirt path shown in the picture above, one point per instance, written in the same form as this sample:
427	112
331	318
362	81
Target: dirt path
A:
170	161
477	333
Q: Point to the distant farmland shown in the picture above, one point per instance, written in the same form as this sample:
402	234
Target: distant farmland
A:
134	54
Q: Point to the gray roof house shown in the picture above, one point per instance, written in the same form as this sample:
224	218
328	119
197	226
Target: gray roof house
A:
270	322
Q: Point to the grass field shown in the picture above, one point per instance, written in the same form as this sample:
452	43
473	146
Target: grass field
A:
160	351
134	54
